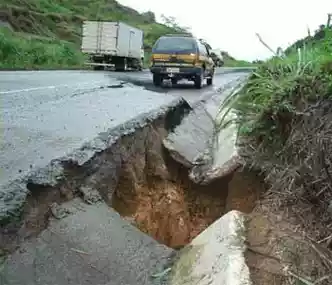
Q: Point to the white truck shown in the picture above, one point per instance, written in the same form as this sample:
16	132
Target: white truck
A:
112	44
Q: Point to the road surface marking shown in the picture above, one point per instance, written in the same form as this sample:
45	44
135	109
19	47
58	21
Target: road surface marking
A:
45	87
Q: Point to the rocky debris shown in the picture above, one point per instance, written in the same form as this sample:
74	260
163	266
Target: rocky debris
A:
215	256
59	211
90	196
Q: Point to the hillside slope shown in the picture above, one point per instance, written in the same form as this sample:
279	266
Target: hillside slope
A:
47	33
62	19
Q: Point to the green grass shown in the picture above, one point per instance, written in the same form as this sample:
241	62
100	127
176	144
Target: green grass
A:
272	91
29	52
238	63
283	119
230	61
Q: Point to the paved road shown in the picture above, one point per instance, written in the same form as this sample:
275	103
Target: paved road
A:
48	114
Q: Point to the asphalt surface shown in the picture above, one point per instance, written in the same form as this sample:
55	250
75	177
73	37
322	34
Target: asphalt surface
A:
92	245
50	114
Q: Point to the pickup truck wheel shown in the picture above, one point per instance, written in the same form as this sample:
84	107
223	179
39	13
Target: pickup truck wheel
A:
157	80
199	81
209	81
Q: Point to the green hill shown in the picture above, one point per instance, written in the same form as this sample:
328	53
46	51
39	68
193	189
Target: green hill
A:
47	32
62	19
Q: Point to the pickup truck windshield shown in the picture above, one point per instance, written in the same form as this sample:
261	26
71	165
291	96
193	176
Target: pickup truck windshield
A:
175	45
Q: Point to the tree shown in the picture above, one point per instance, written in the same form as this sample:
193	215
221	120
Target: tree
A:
172	23
150	17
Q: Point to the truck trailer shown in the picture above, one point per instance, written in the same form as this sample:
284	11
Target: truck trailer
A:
112	44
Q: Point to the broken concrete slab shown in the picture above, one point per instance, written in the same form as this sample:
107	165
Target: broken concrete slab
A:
216	256
191	138
196	144
91	245
221	158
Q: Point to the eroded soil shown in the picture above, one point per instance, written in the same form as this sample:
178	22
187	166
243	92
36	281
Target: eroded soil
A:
276	254
155	193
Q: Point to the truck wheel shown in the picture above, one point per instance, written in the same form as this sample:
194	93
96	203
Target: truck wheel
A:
157	80
174	81
123	66
98	67
141	64
199	80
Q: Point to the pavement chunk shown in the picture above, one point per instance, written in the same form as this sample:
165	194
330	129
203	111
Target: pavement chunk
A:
92	245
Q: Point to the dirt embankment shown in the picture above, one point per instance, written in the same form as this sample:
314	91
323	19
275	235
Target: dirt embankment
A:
155	193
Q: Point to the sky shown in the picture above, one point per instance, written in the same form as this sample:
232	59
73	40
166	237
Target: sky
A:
232	25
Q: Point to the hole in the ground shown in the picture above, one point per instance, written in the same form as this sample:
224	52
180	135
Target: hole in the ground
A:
162	202
144	184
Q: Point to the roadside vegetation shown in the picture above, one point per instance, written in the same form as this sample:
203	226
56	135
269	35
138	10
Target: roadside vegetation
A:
230	61
17	51
284	124
49	32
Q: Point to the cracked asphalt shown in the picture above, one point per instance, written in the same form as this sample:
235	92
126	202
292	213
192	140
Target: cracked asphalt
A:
49	114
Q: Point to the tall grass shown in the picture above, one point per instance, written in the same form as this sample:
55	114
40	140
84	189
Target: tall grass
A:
284	123
17	51
277	86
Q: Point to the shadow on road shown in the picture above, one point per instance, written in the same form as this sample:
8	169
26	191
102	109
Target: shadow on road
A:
166	87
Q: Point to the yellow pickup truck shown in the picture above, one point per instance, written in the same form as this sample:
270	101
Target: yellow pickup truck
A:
181	56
